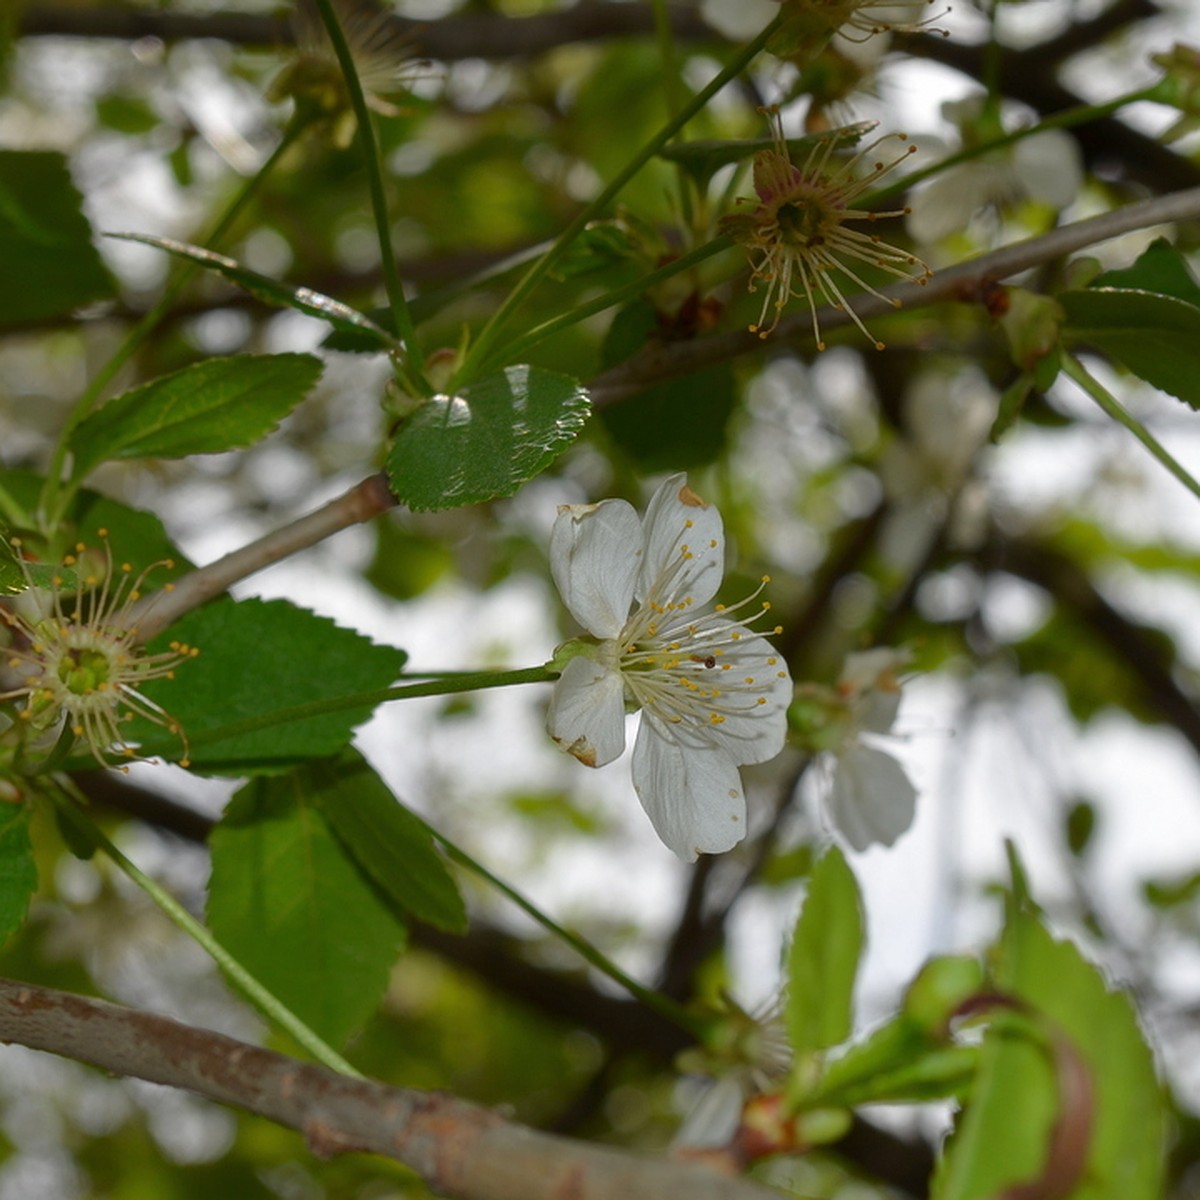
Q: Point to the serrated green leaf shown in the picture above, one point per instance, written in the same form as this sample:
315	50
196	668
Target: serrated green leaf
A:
991	1150
50	264
823	958
390	845
259	657
18	868
487	440
271	291
1161	269
1157	337
290	904
212	406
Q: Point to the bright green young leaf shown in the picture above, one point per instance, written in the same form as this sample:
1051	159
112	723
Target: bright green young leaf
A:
271	291
215	405
18	869
291	905
258	658
990	1150
823	959
1157	337
50	265
390	845
486	441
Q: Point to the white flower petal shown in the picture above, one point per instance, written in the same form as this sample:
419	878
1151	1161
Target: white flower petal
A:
872	799
680	526
862	669
587	712
749	732
876	711
714	1118
595	553
1049	167
691	793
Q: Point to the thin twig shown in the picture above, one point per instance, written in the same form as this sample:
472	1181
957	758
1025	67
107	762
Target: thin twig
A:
362	502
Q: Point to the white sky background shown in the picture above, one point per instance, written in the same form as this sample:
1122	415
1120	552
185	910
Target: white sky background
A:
977	785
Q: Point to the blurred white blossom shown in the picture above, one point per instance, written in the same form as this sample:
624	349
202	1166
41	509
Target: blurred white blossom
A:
871	799
1045	167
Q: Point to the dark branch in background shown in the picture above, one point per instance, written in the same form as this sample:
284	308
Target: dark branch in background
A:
1132	644
1105	142
460	1149
474	35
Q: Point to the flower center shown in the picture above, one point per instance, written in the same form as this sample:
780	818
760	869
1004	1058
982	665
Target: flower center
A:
802	222
83	671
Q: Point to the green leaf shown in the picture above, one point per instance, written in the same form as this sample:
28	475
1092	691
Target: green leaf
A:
1161	269
487	440
215	405
1157	337
271	291
258	658
18	868
678	424
50	264
702	158
823	958
991	1150
136	536
388	843
1146	317
291	905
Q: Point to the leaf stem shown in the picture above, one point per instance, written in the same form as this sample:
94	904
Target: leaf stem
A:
68	802
1109	403
663	1005
519	346
491	332
1066	119
442	686
401	318
55	498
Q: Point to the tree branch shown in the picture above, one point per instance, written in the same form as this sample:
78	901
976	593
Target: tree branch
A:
460	1149
964	281
475	35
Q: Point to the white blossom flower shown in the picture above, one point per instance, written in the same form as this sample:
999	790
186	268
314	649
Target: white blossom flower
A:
73	654
713	694
1045	167
871	798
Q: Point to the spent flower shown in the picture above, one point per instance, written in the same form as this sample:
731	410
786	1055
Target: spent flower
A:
798	236
73	654
712	692
313	78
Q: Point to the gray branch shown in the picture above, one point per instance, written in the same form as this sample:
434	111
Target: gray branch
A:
965	282
458	1148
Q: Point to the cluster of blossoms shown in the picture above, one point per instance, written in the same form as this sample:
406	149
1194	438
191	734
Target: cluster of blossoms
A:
797	235
712	692
73	654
